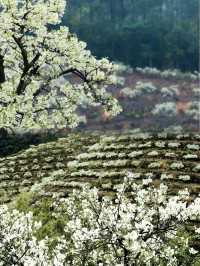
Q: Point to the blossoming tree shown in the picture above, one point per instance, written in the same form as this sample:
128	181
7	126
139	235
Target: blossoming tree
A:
145	227
44	69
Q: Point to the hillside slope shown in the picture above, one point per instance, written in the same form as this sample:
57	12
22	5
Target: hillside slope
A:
102	160
140	95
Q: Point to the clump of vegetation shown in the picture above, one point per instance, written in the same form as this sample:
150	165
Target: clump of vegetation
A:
141	224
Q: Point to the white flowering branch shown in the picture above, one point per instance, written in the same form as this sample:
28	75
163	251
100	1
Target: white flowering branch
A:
35	61
141	225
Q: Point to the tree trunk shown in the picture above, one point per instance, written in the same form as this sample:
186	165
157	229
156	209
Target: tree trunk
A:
2	73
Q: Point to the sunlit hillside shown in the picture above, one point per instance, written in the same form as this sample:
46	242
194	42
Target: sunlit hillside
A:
102	161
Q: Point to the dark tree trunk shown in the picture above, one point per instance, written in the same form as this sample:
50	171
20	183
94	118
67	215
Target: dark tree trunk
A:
2	72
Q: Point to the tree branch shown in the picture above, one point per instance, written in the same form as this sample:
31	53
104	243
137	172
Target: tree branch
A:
26	68
23	52
64	72
2	70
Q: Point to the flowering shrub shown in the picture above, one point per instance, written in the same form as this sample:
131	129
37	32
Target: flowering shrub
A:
121	67
140	89
34	64
166	108
193	110
18	246
141	225
169	73
171	91
148	70
196	92
140	228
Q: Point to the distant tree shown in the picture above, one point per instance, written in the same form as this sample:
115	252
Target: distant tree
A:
36	56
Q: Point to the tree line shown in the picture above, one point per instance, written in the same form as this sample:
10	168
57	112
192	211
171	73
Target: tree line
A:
155	33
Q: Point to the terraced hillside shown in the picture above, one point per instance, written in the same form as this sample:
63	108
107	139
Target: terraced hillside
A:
29	166
102	160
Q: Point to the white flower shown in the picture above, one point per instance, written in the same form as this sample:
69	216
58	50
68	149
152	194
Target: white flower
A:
153	153
166	108
155	165
190	156
174	144
193	251
160	144
196	168
197	230
140	89
178	165
193	146
170	154
135	154
184	177
166	176
147	181
133	175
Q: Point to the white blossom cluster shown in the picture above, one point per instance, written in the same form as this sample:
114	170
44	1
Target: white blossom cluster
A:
169	73
141	228
196	92
193	110
33	62
176	129
166	109
144	136
193	147
121	67
177	165
140	89
171	91
18	245
125	137
197	168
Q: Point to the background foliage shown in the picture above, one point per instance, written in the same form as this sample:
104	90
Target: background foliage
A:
159	33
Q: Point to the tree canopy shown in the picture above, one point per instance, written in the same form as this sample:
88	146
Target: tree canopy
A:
35	59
